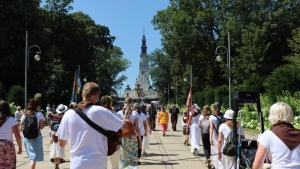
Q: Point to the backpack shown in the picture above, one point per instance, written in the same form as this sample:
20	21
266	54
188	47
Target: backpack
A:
221	120
131	130
205	126
229	148
31	129
174	111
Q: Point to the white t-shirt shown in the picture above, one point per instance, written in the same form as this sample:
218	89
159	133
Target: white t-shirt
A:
18	115
133	116
88	147
6	132
225	130
119	114
281	155
195	119
182	122
39	117
142	117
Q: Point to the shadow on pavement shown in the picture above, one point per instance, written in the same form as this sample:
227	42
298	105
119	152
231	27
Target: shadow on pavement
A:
158	163
154	154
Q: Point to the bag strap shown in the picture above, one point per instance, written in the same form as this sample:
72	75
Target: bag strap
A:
94	125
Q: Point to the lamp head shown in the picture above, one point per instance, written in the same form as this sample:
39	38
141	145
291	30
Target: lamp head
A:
218	58
84	79
172	87
185	79
37	57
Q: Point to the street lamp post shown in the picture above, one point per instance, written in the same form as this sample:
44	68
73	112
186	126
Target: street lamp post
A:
219	58
175	88
37	57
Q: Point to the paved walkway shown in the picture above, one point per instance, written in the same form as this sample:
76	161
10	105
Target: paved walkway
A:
167	152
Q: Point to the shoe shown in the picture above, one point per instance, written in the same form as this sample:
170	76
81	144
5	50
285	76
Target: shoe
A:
184	143
208	163
164	134
195	152
139	163
187	144
52	160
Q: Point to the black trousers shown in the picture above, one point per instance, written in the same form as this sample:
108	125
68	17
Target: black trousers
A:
206	145
174	119
140	149
153	122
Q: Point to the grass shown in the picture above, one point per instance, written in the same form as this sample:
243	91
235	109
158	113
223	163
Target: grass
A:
254	131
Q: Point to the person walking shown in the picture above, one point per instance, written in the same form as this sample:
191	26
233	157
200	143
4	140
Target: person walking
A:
282	141
18	115
33	122
57	153
146	140
174	116
215	120
163	120
107	102
130	141
142	119
204	127
8	127
186	130
225	130
88	147
152	114
195	130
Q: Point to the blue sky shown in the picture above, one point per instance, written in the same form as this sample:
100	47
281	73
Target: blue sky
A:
125	20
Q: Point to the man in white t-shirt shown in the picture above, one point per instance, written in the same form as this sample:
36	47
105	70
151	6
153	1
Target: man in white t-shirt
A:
88	147
214	122
18	115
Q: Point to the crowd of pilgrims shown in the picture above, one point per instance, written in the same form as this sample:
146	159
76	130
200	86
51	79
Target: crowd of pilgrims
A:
212	128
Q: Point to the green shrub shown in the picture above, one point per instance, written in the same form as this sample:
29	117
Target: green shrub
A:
16	95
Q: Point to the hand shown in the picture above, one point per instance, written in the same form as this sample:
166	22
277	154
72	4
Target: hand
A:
220	156
211	143
20	151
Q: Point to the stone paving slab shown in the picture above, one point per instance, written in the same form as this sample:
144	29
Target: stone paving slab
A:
165	153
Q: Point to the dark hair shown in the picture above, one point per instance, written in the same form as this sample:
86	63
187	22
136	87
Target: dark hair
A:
143	109
4	108
33	104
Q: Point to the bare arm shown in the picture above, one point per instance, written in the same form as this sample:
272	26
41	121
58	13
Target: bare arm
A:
42	124
145	127
211	131
199	124
220	141
259	157
137	129
18	138
62	143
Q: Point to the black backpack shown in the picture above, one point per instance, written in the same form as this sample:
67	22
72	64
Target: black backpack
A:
229	148
221	120
174	111
31	130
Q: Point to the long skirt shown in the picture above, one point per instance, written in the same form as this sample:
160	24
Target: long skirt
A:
195	135
227	162
114	159
57	151
129	152
7	155
146	142
164	127
34	148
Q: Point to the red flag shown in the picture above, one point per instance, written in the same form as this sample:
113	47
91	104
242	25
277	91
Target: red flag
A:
189	103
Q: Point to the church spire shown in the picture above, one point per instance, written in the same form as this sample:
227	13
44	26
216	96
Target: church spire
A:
144	46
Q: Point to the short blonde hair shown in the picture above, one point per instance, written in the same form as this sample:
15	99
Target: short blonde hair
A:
281	112
206	110
90	89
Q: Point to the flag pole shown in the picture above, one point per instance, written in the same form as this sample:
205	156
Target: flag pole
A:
78	75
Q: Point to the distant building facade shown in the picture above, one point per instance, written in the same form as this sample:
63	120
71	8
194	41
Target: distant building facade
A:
142	88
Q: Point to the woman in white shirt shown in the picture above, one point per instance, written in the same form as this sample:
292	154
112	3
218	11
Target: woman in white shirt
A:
225	130
8	127
282	142
195	130
186	130
146	140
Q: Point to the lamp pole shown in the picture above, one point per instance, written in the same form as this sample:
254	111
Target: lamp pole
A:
219	58
36	57
175	88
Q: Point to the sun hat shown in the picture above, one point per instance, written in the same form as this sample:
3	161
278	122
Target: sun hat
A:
18	107
228	114
61	109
